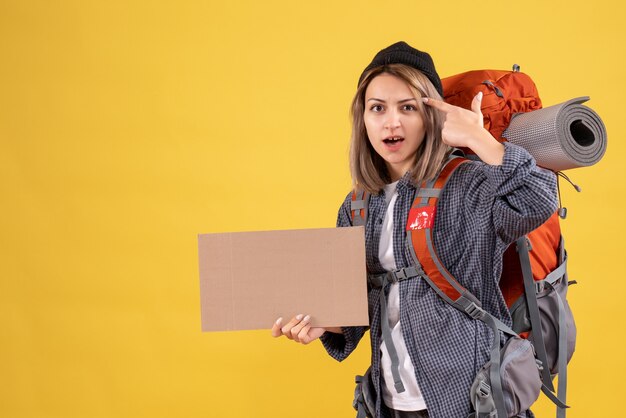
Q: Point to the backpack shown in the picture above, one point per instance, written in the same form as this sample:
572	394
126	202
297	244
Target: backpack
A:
534	280
539	257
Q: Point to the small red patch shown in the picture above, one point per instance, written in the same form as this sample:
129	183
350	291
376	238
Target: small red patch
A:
421	218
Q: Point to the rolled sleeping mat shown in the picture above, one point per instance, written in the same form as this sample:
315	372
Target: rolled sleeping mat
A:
560	137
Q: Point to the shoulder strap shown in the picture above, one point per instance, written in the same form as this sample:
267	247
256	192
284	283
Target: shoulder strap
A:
358	207
359	211
419	228
419	236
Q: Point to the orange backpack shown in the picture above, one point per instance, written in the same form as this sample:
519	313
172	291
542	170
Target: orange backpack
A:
504	94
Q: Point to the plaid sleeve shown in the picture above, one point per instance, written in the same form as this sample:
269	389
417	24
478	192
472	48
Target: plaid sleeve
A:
339	346
524	195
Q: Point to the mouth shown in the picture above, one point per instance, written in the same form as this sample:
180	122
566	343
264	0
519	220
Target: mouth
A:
393	140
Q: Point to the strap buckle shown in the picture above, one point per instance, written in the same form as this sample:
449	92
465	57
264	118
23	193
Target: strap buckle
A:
403	274
540	286
400	275
484	389
391	277
474	311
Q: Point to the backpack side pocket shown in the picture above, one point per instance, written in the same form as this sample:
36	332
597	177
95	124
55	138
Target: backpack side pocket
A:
519	374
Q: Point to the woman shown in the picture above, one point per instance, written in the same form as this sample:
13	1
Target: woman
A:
402	135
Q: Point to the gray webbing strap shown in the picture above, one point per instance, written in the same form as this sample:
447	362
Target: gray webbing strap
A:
429	192
391	348
357	205
530	289
360	203
424	200
533	310
557	273
381	281
494	371
562	361
553	397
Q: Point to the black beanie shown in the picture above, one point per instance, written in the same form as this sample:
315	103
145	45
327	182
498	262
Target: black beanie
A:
403	53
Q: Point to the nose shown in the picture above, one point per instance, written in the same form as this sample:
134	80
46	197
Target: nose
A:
393	120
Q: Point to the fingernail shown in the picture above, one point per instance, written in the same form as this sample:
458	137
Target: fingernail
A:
479	96
425	99
279	320
299	317
306	318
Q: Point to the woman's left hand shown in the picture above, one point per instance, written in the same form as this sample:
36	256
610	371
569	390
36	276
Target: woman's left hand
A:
464	128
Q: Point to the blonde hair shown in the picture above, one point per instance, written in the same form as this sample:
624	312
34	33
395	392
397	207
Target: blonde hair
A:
367	168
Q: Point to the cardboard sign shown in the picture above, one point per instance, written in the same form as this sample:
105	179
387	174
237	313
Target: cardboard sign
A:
250	279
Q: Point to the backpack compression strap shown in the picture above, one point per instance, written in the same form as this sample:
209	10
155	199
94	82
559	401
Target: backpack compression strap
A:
531	289
419	228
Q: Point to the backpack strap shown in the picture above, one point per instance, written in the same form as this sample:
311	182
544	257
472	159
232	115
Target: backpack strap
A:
419	236
531	289
530	293
419	228
562	361
359	207
358	212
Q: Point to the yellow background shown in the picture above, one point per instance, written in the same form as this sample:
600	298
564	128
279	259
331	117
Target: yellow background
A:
128	127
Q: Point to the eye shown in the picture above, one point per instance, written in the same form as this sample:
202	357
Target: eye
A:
409	108
376	108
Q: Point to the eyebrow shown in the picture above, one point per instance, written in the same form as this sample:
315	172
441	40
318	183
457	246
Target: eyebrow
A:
399	101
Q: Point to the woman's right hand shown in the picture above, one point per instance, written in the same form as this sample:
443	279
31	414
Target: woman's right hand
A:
299	329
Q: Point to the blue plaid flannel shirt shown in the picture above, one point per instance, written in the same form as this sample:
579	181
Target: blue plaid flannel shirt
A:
481	211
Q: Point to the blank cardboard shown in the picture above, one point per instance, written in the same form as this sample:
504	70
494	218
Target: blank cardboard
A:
249	279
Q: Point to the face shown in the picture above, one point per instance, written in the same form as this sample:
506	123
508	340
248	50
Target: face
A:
394	125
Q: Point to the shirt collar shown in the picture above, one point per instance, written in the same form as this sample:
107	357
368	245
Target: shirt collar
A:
405	184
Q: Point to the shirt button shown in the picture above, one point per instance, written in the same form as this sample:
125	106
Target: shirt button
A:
380	221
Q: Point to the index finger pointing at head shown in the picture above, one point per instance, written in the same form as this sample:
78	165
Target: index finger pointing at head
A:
438	104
